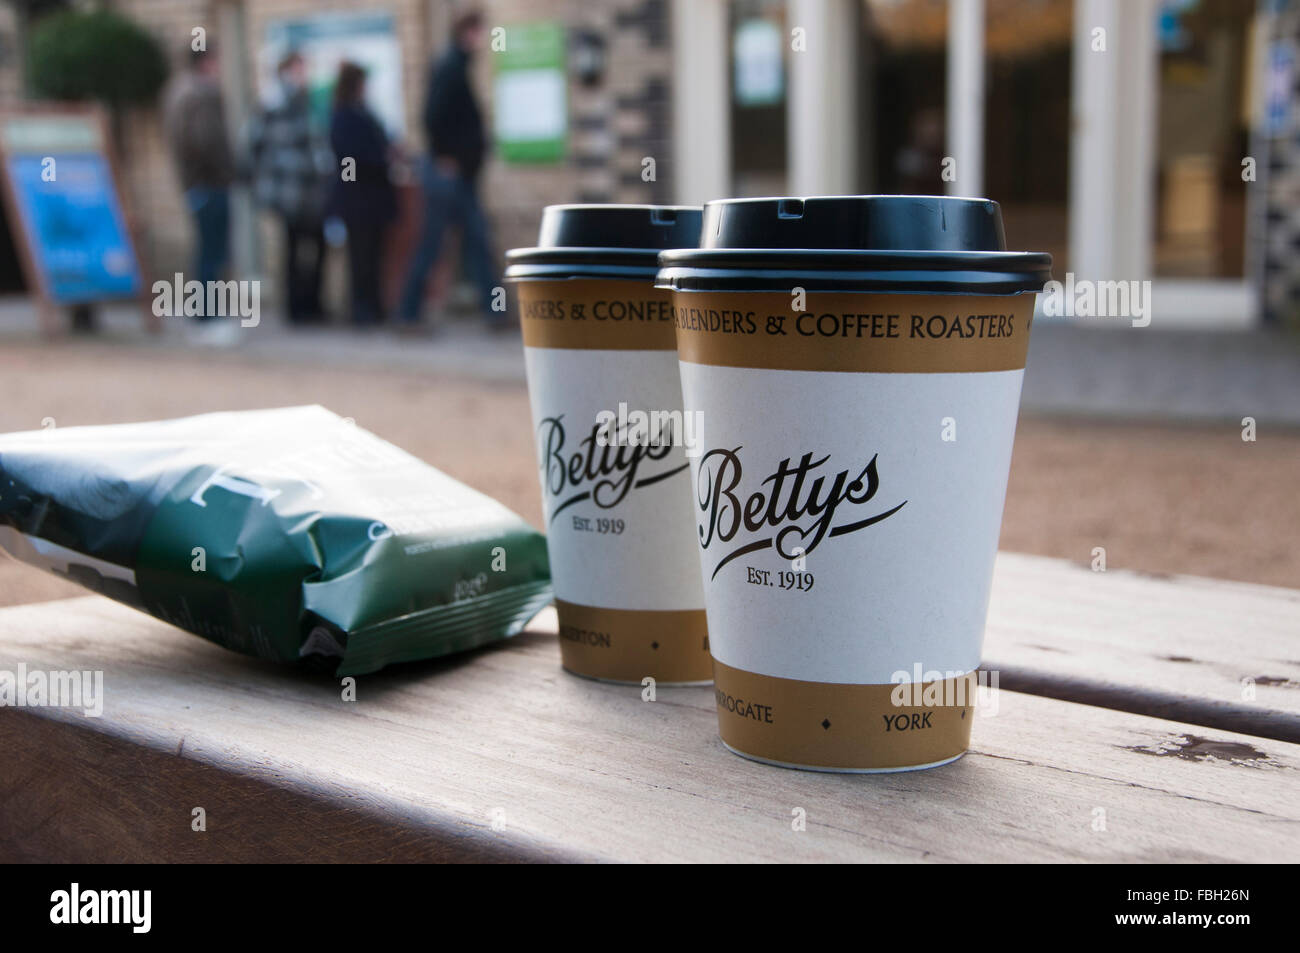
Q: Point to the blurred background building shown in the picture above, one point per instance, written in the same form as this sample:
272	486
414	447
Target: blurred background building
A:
1133	139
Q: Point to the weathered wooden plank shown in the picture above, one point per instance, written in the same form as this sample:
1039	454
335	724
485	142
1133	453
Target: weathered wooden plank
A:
1206	652
1212	653
499	752
83	796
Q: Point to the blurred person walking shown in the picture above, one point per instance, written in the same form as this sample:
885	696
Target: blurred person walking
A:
194	121
288	163
363	196
458	145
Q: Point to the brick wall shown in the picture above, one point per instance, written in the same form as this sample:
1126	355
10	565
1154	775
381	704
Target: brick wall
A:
612	126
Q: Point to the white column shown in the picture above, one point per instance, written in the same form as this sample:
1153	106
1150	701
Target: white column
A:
822	104
701	101
1113	173
1093	93
965	104
1136	114
1112	147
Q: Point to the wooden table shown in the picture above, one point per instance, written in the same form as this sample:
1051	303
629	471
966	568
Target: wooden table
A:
1149	719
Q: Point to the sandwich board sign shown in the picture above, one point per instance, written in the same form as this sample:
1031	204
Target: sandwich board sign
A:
63	207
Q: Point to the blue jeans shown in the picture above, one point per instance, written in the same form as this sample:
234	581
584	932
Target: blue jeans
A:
449	200
211	210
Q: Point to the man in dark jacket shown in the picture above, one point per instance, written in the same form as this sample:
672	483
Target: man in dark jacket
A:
457	140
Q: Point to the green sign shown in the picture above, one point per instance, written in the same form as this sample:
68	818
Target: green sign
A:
530	92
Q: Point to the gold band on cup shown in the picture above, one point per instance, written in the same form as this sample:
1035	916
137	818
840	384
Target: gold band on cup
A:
596	314
840	727
881	333
627	645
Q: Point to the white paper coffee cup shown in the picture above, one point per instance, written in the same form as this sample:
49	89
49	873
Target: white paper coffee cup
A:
858	409
605	396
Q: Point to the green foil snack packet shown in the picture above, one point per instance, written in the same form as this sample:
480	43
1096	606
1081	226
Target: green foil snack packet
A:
287	534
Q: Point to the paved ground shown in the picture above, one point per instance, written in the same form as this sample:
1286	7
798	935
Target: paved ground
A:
1180	496
1109	373
1145	374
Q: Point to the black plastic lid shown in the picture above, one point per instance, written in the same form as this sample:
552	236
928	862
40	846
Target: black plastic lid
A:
896	243
605	240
